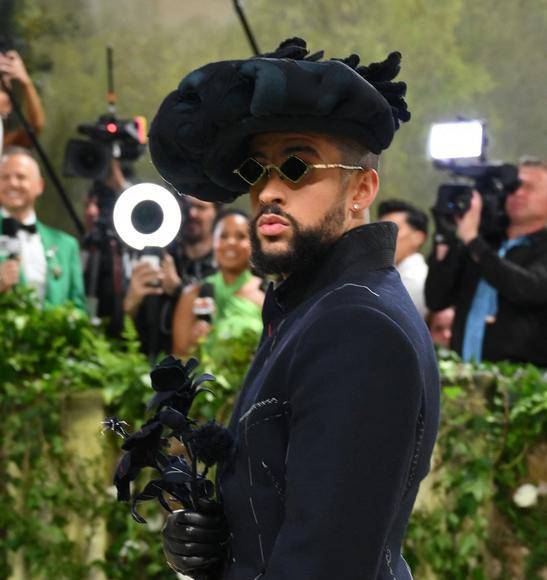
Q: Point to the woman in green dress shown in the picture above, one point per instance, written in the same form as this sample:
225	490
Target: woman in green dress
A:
237	294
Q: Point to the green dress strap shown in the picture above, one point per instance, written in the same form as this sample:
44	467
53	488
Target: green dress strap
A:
234	315
225	293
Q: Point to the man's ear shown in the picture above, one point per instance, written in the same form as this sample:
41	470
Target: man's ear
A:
365	189
418	238
40	187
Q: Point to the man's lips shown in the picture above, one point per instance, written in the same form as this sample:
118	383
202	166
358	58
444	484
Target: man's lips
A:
272	225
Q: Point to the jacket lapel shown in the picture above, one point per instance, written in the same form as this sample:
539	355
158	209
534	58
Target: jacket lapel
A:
52	261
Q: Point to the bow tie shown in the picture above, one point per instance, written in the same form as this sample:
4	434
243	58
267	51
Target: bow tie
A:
11	226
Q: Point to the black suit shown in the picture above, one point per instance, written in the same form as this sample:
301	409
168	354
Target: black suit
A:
335	424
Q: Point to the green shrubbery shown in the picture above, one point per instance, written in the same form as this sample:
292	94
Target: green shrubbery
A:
493	419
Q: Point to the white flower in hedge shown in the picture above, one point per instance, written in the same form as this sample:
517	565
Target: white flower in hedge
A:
129	545
155	523
526	495
112	491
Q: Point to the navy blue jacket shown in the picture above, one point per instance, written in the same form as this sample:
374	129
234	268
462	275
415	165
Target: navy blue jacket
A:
335	424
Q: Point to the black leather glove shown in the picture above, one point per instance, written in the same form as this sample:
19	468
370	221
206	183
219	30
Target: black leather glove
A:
195	543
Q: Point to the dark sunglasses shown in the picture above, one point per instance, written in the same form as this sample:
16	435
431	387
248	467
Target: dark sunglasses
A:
293	169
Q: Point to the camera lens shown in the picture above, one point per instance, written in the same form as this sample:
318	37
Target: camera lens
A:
147	216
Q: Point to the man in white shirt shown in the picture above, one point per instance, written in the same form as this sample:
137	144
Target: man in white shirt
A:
413	227
32	253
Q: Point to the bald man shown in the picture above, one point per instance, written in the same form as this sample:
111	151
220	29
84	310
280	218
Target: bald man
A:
32	253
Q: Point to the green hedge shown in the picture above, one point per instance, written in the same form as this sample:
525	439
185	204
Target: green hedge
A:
493	419
491	442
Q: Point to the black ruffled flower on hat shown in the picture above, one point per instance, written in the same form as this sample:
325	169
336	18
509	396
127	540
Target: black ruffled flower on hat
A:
201	131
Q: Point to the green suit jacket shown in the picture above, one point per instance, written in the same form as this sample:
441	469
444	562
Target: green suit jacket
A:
64	281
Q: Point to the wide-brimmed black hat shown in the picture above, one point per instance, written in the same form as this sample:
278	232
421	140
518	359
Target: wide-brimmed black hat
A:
201	131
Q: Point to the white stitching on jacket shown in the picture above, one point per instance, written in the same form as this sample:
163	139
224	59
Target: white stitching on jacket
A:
250	470
256	406
387	554
253	510
276	484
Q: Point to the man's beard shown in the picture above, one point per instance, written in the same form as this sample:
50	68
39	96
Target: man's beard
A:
307	247
191	237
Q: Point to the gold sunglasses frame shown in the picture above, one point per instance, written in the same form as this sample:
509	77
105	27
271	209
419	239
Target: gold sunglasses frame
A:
267	168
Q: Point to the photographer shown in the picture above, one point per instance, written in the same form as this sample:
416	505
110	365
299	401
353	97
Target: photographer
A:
105	258
154	290
12	68
500	293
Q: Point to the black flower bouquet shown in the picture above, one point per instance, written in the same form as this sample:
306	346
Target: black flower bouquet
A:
180	477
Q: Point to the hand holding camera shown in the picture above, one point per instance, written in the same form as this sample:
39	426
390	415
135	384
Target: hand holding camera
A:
12	68
171	280
467	225
145	281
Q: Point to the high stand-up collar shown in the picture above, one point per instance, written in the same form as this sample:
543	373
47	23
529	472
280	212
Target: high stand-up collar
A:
365	248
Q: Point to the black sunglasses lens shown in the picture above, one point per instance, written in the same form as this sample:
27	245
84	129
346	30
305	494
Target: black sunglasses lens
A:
251	170
293	168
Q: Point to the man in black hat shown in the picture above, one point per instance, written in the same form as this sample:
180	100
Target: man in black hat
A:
338	414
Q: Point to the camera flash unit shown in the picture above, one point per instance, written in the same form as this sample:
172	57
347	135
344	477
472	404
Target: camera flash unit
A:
157	202
450	142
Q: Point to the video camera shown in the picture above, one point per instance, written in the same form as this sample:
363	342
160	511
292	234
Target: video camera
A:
460	147
108	137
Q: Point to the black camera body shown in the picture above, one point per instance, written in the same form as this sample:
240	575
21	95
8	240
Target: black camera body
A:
493	181
108	137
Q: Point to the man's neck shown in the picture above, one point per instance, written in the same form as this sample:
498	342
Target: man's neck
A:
198	249
518	230
20	214
403	258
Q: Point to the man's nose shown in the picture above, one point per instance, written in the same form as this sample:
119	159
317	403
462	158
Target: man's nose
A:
273	190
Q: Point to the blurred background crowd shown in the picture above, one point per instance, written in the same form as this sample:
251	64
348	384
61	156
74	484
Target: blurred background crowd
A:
483	293
452	67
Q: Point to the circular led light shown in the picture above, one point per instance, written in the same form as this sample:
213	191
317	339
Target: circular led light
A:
127	202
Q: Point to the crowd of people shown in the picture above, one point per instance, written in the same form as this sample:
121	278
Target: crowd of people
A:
485	301
474	297
163	297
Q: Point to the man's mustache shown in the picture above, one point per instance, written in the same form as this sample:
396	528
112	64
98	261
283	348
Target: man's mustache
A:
273	209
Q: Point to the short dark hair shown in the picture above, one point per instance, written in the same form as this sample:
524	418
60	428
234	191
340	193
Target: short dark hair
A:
529	161
415	218
14	150
228	212
354	153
